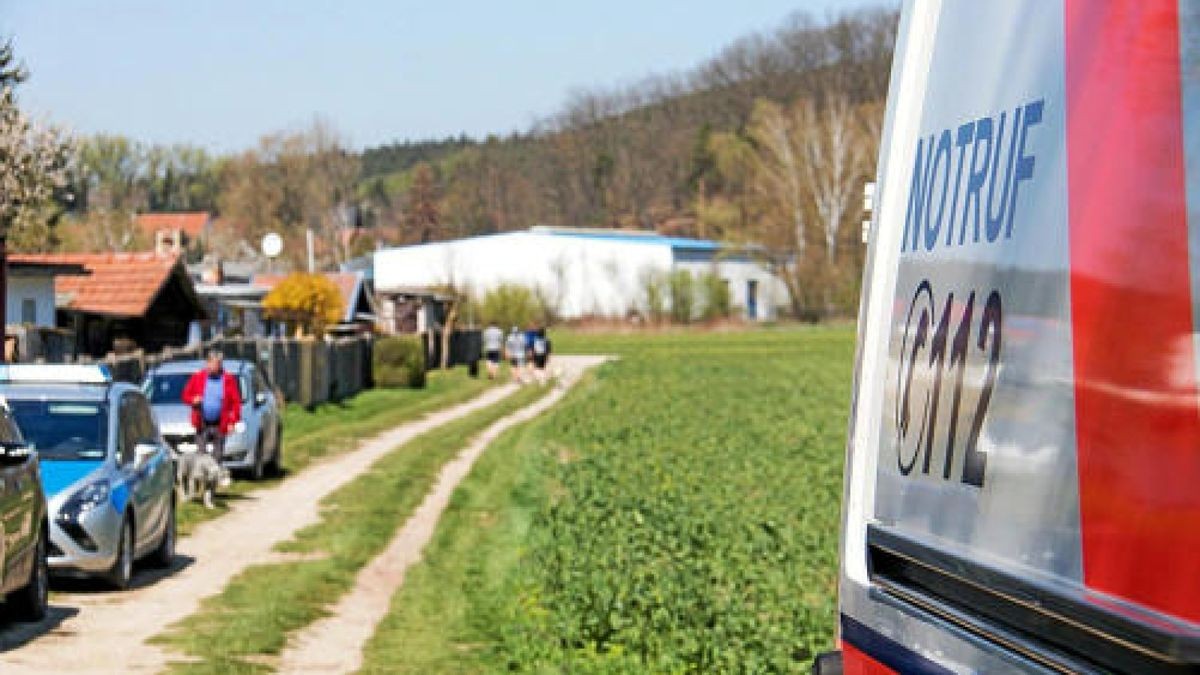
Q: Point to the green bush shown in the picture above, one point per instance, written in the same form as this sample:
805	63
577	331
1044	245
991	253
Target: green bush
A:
681	287
654	294
511	305
400	362
714	297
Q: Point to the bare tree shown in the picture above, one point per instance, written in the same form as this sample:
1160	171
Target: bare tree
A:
423	214
833	163
801	171
290	183
332	172
779	169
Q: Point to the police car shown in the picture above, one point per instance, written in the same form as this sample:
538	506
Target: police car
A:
1022	487
106	473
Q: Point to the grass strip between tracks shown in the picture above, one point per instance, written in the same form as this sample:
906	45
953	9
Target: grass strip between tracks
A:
336	427
250	620
453	599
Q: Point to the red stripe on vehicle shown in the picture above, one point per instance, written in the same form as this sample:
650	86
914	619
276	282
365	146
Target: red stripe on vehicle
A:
855	662
1136	414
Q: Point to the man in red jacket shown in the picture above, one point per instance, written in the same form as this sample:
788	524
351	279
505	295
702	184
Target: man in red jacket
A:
216	404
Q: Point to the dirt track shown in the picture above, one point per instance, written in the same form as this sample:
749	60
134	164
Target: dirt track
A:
334	644
98	631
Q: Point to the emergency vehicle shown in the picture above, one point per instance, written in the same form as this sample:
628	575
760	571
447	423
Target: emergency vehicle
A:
1022	488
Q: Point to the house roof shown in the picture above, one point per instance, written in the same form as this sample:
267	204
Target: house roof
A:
191	222
20	265
231	290
349	284
642	237
119	284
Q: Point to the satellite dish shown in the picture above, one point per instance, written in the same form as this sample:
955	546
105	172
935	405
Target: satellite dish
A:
272	245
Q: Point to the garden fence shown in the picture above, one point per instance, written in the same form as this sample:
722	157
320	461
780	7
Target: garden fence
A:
305	371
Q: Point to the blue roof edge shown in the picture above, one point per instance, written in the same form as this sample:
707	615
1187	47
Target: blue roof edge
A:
648	238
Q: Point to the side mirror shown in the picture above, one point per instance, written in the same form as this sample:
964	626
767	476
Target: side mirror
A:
260	399
14	453
142	452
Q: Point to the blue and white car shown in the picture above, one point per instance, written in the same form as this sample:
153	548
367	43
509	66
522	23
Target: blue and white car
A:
108	476
253	446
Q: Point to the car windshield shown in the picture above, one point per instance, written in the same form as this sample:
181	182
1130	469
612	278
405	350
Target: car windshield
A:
63	430
168	388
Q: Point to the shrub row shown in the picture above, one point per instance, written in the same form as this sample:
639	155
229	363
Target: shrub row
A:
677	296
399	361
682	297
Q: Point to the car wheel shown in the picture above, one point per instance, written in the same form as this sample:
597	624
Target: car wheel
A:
122	570
164	555
29	602
257	469
275	464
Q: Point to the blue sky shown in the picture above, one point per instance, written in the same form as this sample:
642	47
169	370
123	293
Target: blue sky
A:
220	73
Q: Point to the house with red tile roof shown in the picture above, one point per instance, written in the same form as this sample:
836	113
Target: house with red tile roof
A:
144	298
174	233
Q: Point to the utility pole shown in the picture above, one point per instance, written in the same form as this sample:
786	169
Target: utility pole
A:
312	258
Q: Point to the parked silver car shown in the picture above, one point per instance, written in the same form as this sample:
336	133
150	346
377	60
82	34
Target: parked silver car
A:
106	472
253	447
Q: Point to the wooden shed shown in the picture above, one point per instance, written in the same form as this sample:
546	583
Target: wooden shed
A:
127	300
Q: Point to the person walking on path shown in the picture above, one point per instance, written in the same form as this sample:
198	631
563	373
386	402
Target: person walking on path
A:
493	345
216	404
530	336
514	349
541	355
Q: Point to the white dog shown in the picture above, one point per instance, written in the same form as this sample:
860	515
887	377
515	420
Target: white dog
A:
198	475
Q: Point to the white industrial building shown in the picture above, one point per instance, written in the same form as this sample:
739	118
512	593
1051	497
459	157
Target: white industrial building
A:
586	272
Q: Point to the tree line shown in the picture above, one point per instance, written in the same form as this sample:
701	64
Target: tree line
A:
766	145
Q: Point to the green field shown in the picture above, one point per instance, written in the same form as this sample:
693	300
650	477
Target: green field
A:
677	513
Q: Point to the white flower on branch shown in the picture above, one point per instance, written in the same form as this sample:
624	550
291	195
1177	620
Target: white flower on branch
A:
34	162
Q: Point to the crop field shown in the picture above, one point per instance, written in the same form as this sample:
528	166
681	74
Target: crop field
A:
677	513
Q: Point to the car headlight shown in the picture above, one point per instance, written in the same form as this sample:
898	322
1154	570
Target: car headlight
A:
84	500
237	434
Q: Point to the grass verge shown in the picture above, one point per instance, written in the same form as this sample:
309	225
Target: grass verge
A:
336	427
252	617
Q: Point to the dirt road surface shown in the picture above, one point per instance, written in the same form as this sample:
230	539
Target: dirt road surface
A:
335	643
92	631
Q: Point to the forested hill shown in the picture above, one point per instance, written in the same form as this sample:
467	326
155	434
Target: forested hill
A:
403	155
646	156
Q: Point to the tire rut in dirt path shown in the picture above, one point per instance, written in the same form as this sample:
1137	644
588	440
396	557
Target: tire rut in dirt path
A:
108	632
335	644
